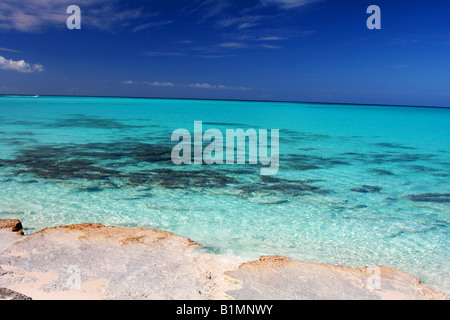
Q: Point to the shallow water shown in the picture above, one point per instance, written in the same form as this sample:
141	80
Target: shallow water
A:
357	185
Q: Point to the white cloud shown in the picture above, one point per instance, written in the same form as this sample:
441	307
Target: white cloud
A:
159	84
192	85
220	86
19	66
155	83
201	85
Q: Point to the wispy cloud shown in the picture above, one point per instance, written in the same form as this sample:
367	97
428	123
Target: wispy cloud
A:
151	25
10	50
243	22
214	56
191	85
19	66
210	8
212	52
202	85
267	34
113	15
159	84
272	38
147	83
235	45
270	46
32	15
246	25
220	87
242	45
37	15
288	4
164	54
254	38
184	41
243	15
417	39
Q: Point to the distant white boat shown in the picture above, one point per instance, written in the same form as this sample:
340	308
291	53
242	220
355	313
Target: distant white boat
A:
36	96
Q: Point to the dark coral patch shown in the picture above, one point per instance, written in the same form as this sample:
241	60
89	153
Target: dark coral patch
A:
430	197
366	189
381	172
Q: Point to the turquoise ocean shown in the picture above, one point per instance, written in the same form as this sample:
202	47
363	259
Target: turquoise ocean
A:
357	185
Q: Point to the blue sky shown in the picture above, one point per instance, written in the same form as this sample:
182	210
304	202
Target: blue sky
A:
290	50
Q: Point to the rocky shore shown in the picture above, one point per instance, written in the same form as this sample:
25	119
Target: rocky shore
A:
92	261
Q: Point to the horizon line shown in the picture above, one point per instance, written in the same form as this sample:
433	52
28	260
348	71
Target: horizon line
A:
235	100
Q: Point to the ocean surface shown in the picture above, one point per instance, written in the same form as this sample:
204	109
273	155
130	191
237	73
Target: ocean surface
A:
357	185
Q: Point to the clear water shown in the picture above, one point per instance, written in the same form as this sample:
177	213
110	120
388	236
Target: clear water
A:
357	185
